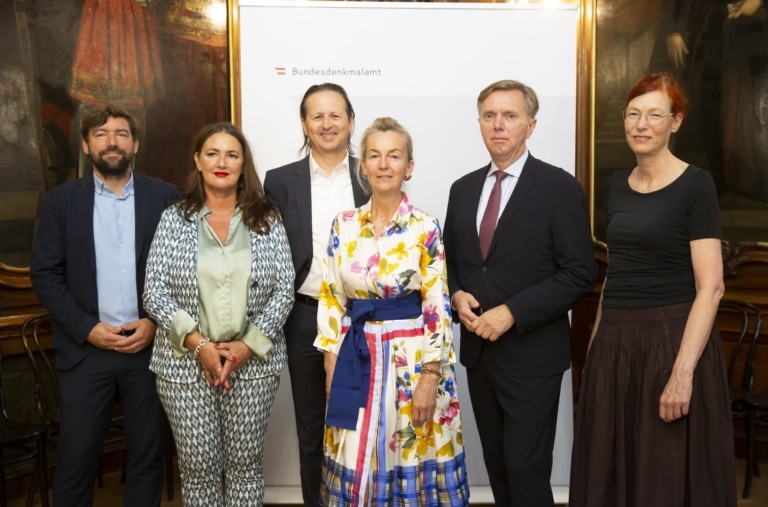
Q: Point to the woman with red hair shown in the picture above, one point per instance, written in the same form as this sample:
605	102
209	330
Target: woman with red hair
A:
654	424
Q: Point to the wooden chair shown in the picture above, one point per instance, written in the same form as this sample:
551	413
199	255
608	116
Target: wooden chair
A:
755	407
740	389
757	417
43	371
20	442
47	397
742	399
47	386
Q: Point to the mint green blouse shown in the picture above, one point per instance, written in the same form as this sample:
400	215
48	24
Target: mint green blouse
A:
224	278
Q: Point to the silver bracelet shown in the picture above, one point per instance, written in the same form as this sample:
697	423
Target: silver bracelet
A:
199	347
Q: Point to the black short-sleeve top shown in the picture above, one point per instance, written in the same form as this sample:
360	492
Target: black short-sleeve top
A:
649	235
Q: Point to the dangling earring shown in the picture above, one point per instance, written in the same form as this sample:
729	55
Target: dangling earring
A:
408	177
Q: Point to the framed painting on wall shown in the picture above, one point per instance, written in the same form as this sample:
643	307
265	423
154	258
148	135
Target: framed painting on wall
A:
721	59
166	61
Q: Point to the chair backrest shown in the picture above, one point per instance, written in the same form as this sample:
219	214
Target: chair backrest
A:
749	373
43	370
3	412
4	419
751	318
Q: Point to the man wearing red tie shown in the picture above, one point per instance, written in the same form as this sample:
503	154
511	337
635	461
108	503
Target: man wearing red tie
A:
519	252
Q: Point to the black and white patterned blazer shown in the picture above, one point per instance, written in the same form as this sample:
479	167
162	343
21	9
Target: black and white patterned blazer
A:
172	285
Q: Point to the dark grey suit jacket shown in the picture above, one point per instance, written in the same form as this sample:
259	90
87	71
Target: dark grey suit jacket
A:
540	264
63	268
289	188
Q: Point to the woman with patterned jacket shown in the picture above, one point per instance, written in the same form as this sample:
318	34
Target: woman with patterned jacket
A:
220	286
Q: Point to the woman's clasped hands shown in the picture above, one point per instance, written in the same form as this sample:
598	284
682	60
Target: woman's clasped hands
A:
222	360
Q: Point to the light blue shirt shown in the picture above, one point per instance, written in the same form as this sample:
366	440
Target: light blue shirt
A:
114	235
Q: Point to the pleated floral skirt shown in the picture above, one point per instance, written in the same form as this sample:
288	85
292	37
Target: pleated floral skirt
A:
397	464
624	454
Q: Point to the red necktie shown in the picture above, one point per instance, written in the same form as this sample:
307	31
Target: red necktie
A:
488	223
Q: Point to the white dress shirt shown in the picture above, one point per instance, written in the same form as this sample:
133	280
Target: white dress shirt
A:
331	194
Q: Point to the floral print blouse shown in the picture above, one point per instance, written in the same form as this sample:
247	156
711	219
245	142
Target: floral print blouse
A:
408	256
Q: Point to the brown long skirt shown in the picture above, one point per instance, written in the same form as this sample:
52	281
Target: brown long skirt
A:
624	455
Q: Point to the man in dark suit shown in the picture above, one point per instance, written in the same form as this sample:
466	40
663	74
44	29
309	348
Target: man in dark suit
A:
88	267
310	193
519	253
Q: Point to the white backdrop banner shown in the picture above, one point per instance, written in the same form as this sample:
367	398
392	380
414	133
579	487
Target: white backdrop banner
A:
423	64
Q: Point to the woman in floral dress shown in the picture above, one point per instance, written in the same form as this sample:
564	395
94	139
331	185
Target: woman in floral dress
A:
393	426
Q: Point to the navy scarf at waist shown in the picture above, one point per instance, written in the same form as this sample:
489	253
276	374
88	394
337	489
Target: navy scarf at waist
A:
349	386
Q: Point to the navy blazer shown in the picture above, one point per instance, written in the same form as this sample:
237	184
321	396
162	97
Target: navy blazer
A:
540	264
289	188
63	269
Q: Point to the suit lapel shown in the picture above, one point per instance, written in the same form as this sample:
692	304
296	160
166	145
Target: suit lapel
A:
473	193
85	202
141	204
357	191
302	188
527	180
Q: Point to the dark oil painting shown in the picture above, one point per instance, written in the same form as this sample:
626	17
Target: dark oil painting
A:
166	61
719	52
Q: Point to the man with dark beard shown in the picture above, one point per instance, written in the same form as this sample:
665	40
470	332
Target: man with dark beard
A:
88	268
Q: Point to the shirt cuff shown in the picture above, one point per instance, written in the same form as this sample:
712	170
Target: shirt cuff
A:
257	341
429	356
323	344
443	354
181	325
